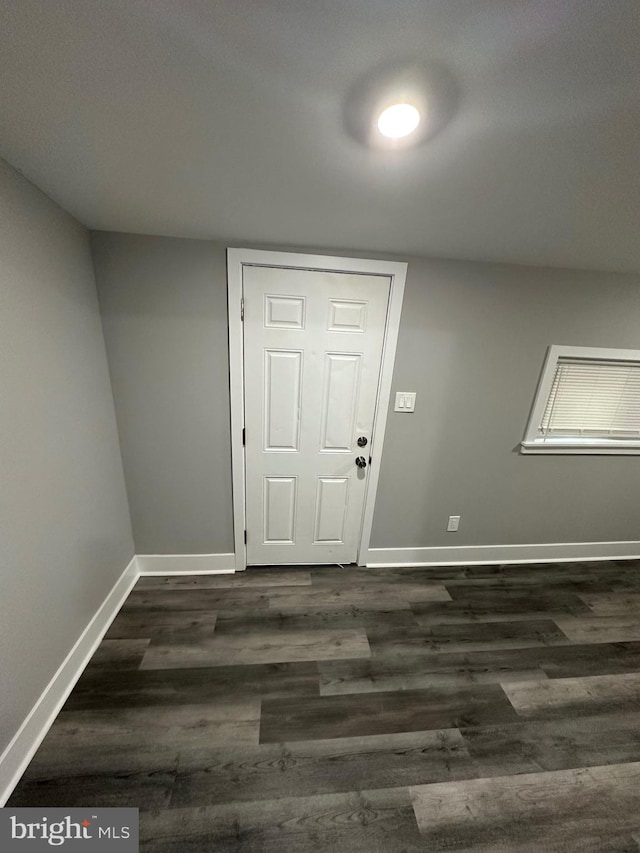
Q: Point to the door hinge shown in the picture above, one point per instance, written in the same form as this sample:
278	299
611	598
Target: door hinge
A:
245	537
370	461
242	308
244	437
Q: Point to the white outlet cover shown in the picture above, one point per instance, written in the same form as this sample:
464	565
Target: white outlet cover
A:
405	401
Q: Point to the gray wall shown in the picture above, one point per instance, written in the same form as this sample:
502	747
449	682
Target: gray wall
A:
472	341
164	310
65	534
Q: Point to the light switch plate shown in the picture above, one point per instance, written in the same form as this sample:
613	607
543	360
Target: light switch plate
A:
405	401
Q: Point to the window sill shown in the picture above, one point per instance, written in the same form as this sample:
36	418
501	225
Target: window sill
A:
617	448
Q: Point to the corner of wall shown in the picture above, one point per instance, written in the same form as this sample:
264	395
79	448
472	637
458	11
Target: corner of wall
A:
16	757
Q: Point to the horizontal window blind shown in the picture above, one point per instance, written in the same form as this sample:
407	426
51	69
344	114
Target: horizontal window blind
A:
593	398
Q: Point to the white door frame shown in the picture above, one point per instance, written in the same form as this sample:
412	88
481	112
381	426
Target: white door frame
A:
236	260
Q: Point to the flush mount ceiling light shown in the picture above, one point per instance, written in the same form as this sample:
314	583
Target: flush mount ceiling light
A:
399	106
398	120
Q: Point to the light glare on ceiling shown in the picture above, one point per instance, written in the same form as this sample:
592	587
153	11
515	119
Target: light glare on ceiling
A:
398	120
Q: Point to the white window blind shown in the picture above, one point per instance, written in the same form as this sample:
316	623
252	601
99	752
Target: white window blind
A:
593	398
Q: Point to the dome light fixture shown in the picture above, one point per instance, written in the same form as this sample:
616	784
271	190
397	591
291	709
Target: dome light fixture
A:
398	120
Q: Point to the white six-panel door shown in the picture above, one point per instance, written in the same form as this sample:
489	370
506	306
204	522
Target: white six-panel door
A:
312	354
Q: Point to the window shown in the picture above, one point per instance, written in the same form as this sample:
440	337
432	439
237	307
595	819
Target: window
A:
588	401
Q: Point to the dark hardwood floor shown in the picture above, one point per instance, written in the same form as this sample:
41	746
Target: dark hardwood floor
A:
491	708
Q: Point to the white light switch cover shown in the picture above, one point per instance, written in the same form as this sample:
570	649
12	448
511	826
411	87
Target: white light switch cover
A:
405	401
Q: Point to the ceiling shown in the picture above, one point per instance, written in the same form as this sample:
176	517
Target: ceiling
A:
228	119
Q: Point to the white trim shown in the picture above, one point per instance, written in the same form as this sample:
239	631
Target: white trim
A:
236	400
236	259
17	755
188	564
588	353
21	749
392	329
565	448
478	555
531	443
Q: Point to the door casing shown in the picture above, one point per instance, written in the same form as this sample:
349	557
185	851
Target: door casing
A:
238	258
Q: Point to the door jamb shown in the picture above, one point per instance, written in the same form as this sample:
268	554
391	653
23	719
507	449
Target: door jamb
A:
238	258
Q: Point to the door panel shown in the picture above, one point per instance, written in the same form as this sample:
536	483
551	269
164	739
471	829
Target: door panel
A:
331	509
279	509
347	316
313	348
282	387
339	401
284	312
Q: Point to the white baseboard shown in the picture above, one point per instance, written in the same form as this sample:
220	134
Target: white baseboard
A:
20	751
28	738
186	564
478	555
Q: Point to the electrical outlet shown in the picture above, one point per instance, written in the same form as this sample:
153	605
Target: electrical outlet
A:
454	523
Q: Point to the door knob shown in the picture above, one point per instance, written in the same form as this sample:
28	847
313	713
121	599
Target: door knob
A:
361	462
362	441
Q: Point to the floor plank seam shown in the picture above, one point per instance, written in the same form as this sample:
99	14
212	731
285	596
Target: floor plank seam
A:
315	709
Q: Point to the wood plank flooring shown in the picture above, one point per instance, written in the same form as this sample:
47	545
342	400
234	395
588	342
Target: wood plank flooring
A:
489	708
